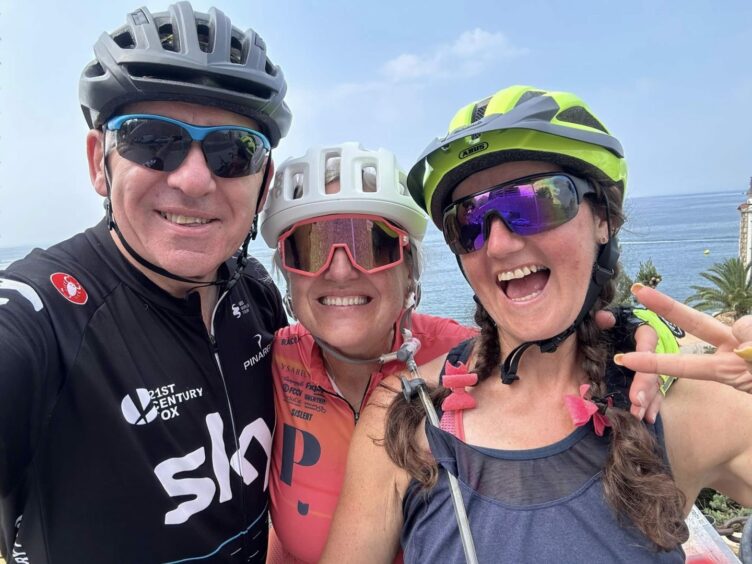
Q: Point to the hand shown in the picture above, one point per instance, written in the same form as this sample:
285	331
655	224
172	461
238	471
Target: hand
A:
644	394
730	364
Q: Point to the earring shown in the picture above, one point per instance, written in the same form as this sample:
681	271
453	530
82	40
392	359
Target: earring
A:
603	240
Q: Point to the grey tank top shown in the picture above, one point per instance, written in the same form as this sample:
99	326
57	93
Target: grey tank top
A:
538	505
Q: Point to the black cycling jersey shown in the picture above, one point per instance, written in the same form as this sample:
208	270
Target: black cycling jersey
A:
128	433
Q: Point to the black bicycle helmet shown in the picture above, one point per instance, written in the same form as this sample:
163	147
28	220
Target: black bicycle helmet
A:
182	55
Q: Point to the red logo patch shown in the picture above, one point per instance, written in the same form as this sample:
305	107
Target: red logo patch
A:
69	288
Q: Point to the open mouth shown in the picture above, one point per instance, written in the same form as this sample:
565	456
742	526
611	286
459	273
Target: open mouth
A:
344	301
184	219
523	283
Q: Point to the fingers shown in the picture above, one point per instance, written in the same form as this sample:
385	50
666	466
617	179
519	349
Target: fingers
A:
742	330
644	392
692	321
605	320
654	408
724	367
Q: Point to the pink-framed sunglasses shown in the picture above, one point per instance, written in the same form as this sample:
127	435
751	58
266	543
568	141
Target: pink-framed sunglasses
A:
372	243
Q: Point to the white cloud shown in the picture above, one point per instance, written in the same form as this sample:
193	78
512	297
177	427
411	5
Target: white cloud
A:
467	55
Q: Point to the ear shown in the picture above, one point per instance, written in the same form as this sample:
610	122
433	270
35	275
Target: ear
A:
601	228
94	152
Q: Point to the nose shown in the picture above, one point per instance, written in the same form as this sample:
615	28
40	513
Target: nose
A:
340	269
193	176
501	240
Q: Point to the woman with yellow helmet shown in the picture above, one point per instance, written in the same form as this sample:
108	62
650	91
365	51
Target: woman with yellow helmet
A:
527	188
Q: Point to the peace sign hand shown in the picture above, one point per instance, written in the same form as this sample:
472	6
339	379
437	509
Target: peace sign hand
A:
731	364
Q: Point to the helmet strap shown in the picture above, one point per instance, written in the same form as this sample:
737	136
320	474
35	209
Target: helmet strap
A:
242	258
604	269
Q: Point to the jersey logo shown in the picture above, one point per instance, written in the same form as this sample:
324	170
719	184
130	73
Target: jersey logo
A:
69	288
141	414
25	290
198	485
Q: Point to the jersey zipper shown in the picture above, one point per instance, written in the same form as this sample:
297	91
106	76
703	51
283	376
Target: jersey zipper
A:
356	414
217	361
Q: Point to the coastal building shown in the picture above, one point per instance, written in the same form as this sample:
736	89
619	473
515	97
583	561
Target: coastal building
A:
745	228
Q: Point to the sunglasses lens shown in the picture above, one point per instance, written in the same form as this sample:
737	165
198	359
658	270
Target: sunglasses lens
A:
527	208
231	153
155	144
371	244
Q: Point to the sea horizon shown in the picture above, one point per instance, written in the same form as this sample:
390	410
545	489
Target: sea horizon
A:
683	234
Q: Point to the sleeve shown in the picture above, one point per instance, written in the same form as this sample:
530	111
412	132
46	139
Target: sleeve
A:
28	356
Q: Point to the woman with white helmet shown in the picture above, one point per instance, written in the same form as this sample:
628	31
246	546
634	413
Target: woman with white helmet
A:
348	236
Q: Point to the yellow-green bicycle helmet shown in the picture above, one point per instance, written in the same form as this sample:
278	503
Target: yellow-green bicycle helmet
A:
517	123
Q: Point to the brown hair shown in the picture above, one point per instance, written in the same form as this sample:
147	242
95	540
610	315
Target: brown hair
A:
636	481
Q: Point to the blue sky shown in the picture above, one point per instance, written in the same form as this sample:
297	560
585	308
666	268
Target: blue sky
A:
673	80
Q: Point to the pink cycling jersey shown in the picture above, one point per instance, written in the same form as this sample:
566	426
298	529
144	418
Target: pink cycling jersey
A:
313	432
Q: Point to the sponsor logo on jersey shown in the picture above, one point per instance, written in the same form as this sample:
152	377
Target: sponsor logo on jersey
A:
69	288
24	290
216	482
239	309
263	351
162	401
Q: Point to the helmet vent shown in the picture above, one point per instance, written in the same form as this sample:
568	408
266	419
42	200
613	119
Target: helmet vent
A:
204	37
529	95
480	110
93	70
236	50
369	179
297	186
167	37
581	116
124	40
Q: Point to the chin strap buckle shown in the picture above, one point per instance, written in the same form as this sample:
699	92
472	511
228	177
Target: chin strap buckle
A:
411	387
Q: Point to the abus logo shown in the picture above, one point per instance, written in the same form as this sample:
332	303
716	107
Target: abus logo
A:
140	414
464	153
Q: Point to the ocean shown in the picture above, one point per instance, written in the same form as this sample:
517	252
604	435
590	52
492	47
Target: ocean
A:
683	235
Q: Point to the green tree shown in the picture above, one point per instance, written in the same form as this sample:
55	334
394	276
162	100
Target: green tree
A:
623	284
731	290
648	274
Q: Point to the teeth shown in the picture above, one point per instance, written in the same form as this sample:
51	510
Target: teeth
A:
183	219
528	297
519	272
343	301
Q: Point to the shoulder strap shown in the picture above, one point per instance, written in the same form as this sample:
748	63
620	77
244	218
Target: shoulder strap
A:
451	421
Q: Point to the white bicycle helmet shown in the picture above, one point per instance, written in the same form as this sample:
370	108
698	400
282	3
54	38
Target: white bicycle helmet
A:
299	191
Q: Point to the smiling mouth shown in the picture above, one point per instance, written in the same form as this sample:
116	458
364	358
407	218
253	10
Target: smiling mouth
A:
524	283
184	219
343	301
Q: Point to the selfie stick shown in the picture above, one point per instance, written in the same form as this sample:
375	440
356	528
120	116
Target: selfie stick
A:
417	386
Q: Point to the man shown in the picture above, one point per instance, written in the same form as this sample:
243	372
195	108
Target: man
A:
135	401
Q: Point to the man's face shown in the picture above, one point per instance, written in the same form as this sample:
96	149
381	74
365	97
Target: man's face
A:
187	221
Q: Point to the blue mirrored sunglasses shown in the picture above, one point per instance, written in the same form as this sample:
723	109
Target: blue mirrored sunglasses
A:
162	143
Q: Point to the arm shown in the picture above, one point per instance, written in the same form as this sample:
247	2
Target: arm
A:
25	363
368	520
708	430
